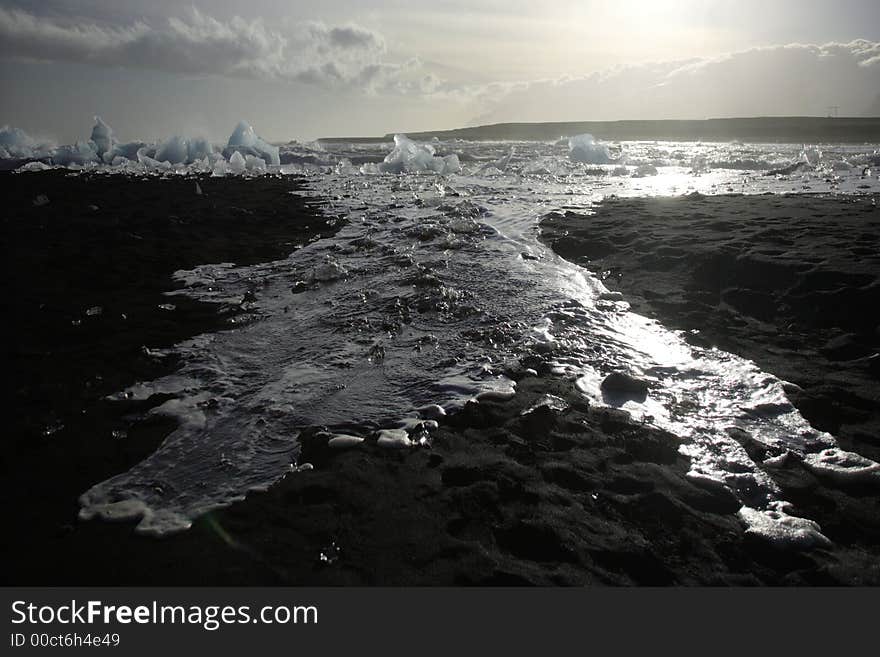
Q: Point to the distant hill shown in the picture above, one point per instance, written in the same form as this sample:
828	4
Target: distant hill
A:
792	129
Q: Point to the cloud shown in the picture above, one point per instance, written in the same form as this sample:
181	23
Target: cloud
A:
198	44
773	80
791	79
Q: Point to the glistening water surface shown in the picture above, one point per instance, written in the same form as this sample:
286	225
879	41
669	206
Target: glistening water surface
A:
434	288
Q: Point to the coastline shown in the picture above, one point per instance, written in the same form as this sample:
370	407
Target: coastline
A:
514	492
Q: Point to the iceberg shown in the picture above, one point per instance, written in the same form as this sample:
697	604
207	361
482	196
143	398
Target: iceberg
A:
245	152
126	151
245	141
409	156
102	138
180	150
83	152
15	143
585	148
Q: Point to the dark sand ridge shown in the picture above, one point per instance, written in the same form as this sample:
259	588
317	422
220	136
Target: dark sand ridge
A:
570	497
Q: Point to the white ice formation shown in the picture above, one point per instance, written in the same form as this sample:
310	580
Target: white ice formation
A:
584	148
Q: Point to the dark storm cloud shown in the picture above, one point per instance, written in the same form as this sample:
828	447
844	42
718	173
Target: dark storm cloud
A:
202	45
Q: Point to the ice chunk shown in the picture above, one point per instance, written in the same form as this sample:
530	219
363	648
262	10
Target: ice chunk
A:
394	439
781	530
79	153
174	150
844	467
181	150
503	162
102	137
244	140
585	148
126	151
221	168
144	157
16	142
255	163
34	166
344	441
237	164
409	156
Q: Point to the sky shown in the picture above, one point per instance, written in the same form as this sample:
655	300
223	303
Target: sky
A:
153	68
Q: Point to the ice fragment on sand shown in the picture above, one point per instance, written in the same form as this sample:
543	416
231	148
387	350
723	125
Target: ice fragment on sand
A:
782	530
844	467
585	148
502	394
343	441
432	412
394	439
551	402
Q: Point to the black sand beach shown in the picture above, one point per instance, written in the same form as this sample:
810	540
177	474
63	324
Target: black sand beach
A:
581	496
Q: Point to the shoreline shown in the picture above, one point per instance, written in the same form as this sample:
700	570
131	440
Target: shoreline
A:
514	492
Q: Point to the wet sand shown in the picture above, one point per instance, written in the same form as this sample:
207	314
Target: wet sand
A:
549	497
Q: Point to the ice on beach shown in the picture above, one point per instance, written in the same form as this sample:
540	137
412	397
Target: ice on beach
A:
394	439
76	154
237	164
843	467
344	441
245	141
193	154
409	156
34	166
781	530
181	150
584	148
